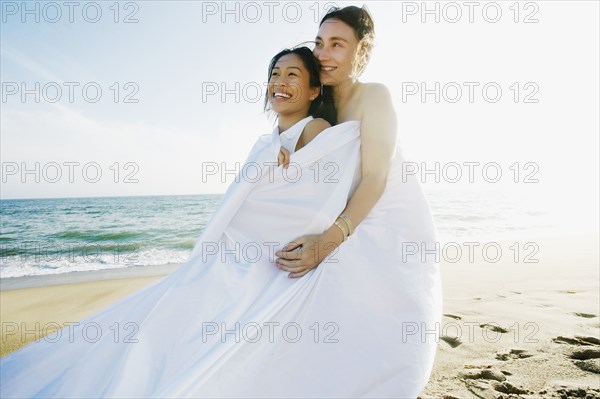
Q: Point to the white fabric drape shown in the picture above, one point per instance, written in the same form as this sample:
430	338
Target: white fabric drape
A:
229	323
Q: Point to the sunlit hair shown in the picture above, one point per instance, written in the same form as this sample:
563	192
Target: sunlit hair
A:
320	107
360	20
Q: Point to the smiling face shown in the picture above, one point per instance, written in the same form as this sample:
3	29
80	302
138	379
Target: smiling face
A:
289	88
336	49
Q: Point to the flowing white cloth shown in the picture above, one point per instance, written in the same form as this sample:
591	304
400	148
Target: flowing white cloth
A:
229	323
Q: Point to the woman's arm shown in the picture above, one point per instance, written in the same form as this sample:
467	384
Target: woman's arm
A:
378	143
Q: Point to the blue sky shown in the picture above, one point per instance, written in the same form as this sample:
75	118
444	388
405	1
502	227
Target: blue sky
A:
177	49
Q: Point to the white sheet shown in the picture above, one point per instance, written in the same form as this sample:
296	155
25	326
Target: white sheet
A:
361	314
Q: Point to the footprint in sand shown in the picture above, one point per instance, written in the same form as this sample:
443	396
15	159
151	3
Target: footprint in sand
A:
577	340
570	390
480	388
591	365
485	381
585	354
489	389
494	328
513	354
453	316
477	366
586	315
452	341
587	358
483	374
507	387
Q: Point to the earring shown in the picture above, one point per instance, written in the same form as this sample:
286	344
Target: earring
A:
321	92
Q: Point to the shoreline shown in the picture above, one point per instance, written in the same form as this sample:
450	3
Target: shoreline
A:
44	280
74	277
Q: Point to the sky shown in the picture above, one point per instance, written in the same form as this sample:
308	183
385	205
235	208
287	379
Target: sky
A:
139	98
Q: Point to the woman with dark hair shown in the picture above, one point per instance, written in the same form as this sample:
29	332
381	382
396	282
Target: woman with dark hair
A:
320	106
285	92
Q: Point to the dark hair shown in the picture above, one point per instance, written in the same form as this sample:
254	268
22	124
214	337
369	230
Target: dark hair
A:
322	106
360	20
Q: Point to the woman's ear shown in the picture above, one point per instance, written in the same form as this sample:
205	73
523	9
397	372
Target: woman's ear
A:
314	93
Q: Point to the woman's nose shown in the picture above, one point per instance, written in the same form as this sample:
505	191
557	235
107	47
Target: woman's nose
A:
321	54
277	81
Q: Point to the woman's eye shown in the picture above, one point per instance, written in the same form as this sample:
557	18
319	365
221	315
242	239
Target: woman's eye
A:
336	44
292	74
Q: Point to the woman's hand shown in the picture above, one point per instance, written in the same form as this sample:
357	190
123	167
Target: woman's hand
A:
283	158
307	252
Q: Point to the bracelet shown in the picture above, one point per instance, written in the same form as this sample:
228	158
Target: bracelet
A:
347	229
343	232
346	219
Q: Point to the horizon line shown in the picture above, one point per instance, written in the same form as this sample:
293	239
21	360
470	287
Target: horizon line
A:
111	196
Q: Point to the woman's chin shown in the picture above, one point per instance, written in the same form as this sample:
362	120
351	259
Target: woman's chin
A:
279	108
327	80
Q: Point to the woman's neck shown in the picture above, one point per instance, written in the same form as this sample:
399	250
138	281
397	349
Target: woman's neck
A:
284	122
343	92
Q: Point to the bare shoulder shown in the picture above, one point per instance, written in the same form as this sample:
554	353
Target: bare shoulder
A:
375	92
315	127
379	120
311	130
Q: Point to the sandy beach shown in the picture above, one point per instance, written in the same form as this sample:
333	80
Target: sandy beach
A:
512	327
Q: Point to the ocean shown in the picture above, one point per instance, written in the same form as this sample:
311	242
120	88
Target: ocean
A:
51	236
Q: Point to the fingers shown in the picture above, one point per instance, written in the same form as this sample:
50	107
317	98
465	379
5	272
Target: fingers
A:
292	246
293	254
297	243
289	255
284	157
296	270
290	265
